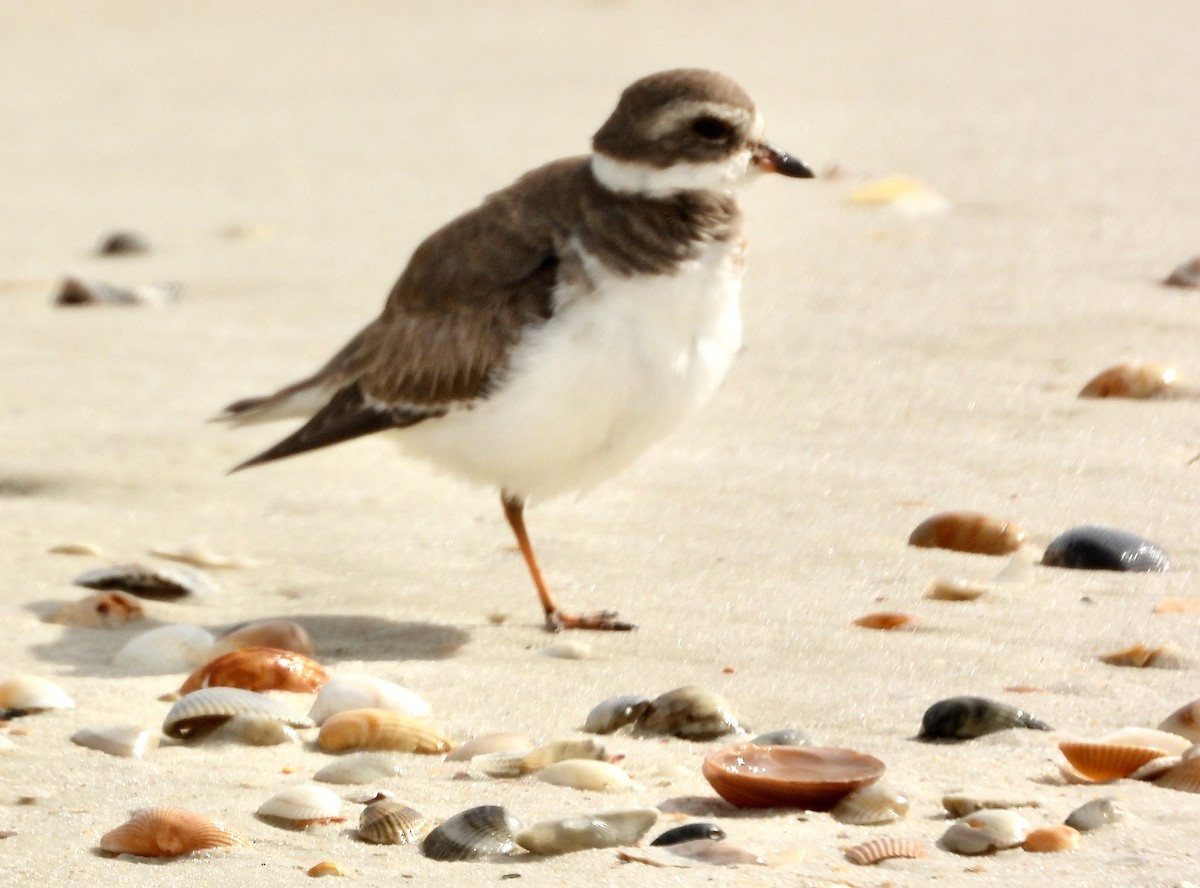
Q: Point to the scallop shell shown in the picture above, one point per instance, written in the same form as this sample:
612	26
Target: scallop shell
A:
201	711
1184	721
1049	839
609	829
1095	814
31	693
941	589
690	713
515	764
103	610
363	767
877	803
985	831
888	848
1140	656
967	532
489	744
585	774
345	692
283	635
1185	275
258	669
300	806
486	831
164	650
615	712
783	737
326	868
885	620
964	718
388	822
1133	379
168	832
1100	761
128	741
810	777
159	583
381	729
1184	777
690	832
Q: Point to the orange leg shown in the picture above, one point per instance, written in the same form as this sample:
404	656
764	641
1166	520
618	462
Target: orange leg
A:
556	620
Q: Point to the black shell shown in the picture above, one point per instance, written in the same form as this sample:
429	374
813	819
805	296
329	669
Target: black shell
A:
964	718
689	832
1091	547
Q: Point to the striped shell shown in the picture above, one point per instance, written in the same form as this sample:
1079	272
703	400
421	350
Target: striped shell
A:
1049	839
886	848
300	806
164	650
486	831
609	829
586	774
381	729
967	532
258	669
283	635
1133	379
1184	721
388	822
1184	777
159	583
168	832
201	711
101	610
1101	761
364	767
128	741
31	693
345	692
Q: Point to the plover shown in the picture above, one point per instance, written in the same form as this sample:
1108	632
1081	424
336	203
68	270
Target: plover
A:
540	342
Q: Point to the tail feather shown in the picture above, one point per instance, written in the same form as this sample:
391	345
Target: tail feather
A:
298	401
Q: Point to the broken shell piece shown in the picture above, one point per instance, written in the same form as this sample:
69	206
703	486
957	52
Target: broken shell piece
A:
381	729
586	774
1094	547
31	693
964	718
258	669
609	829
158	583
1140	656
200	556
877	803
967	532
690	713
204	710
388	822
363	767
717	853
885	620
102	610
961	804
985	831
326	868
1100	761
1183	777
128	741
1133	379
690	832
1186	275
486	831
814	778
615	712
889	848
567	650
280	634
168	832
89	549
489	744
1049	839
1095	814
299	806
346	691
1184	721
164	650
954	590
76	291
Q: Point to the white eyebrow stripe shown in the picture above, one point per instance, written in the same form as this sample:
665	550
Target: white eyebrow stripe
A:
681	111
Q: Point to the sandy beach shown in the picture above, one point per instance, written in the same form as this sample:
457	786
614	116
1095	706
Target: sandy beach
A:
900	360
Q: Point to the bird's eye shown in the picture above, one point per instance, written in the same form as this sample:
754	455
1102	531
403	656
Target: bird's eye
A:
710	128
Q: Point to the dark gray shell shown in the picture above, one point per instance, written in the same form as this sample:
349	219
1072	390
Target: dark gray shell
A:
615	712
122	243
964	718
1091	547
783	737
689	832
144	581
486	831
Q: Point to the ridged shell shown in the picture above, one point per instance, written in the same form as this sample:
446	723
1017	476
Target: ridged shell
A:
1095	814
1099	761
203	710
885	620
102	610
144	581
1093	547
363	767
344	692
127	741
814	778
877	803
1184	721
967	532
1133	379
964	718
258	669
381	729
165	650
486	831
516	764
586	774
690	832
1050	839
283	635
388	822
887	848
691	713
168	832
615	712
31	693
1184	777
985	831
300	806
489	744
609	829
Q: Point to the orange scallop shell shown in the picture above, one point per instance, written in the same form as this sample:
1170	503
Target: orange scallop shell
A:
168	832
1052	838
258	669
814	778
1184	777
1102	761
885	849
282	634
967	532
381	729
885	620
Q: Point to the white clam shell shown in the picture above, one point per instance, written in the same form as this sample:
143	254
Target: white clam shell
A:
33	693
877	803
302	805
165	650
363	767
609	829
129	741
586	774
1168	742
986	831
351	691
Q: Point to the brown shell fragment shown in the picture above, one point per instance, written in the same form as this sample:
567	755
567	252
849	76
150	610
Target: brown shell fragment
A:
103	610
381	729
885	620
1165	656
886	848
1133	379
168	832
258	669
1101	761
1049	839
967	532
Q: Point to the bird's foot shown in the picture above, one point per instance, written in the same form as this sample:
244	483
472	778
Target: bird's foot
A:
556	621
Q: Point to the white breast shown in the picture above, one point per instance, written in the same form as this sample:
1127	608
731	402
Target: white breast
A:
617	367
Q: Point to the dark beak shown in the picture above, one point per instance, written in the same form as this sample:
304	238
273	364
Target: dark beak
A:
772	160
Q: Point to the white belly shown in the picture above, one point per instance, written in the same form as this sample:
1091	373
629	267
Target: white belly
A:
609	374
